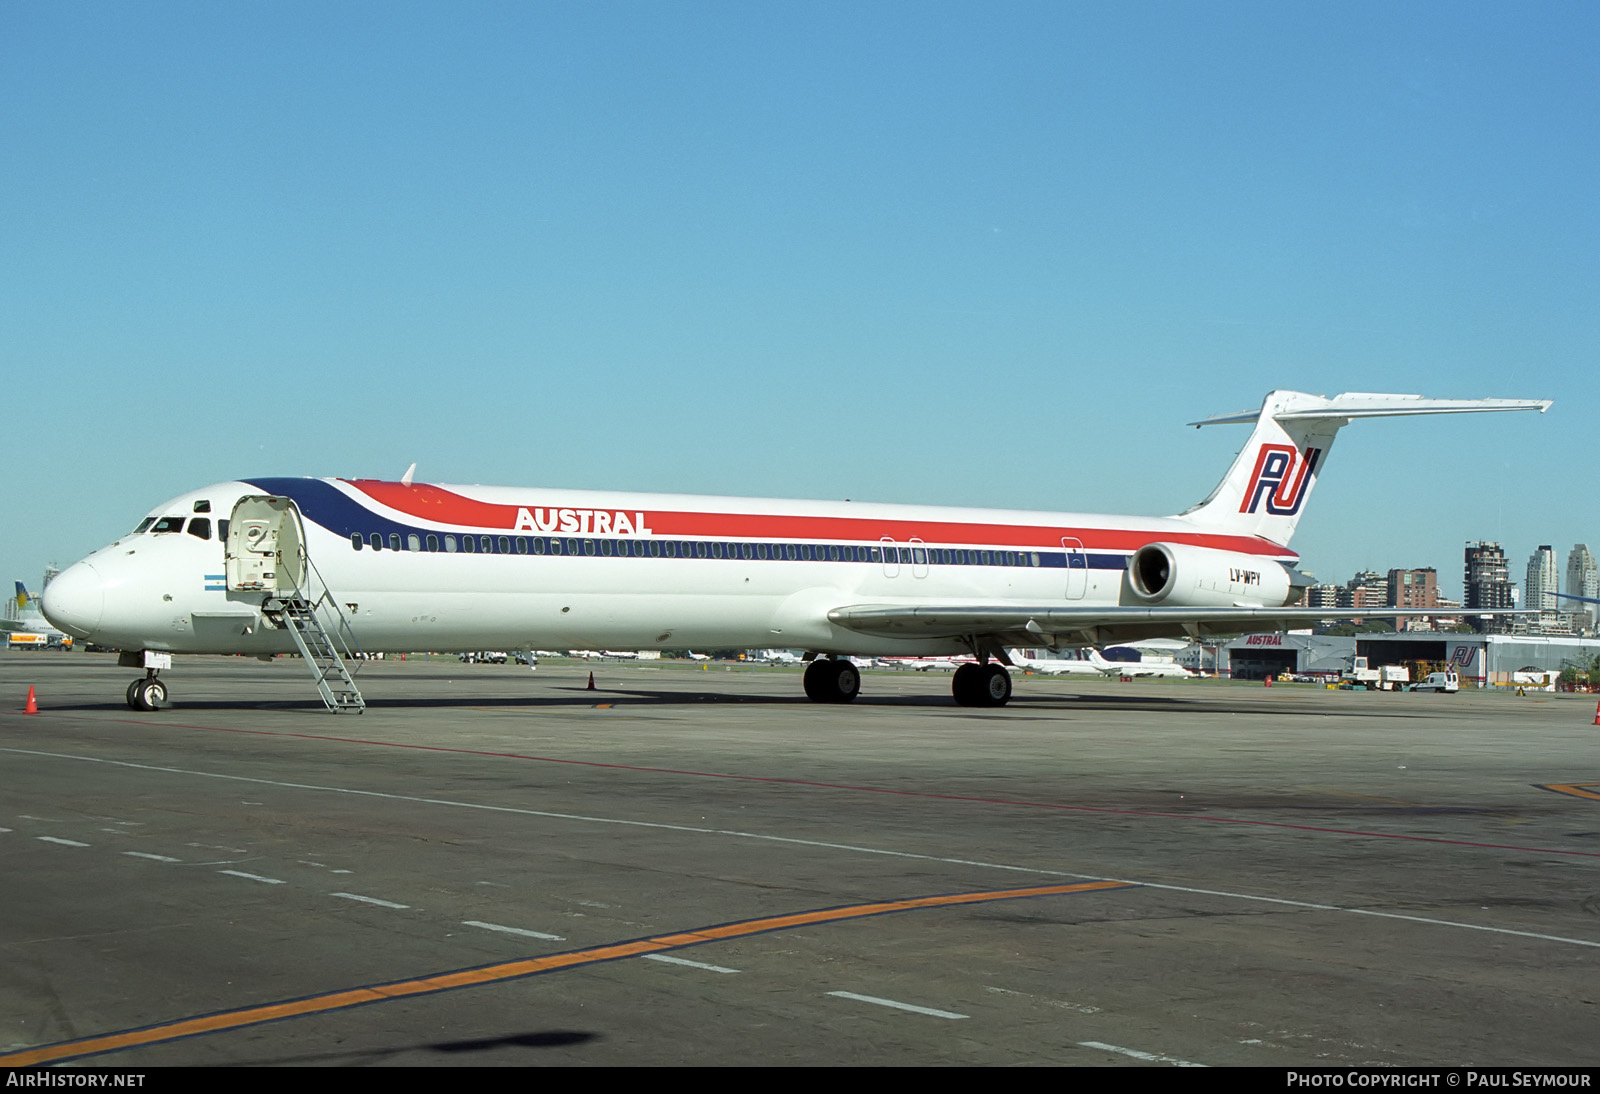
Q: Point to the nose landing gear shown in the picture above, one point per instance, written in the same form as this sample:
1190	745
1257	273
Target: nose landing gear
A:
147	693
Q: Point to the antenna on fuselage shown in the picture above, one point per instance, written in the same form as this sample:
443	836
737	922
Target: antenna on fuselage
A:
405	480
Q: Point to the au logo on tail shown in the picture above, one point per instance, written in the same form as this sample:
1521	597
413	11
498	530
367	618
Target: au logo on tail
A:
1283	476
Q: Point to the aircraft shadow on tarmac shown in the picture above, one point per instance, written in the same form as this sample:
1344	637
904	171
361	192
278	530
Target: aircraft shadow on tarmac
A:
555	1038
577	696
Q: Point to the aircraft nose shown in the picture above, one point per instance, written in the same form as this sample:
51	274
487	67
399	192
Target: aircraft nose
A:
75	599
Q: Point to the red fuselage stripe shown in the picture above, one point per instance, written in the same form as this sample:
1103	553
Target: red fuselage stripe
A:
445	507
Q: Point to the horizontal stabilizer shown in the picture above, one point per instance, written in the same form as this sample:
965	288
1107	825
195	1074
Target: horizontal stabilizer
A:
1366	404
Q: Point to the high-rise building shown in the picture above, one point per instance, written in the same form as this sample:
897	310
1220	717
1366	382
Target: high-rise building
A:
1486	586
1367	589
1413	589
1541	587
1324	596
1583	579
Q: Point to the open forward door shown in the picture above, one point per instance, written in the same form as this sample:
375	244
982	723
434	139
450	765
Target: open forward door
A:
266	547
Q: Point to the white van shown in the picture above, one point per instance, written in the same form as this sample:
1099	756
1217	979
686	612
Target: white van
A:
1438	681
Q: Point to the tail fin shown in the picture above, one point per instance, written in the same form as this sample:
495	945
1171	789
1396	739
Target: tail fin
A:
22	598
1264	492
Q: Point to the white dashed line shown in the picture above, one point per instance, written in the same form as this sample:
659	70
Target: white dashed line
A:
513	930
62	842
909	856
372	900
251	877
685	961
153	858
1153	1057
896	1005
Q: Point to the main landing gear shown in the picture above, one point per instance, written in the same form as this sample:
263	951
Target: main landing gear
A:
837	680
148	692
985	685
834	680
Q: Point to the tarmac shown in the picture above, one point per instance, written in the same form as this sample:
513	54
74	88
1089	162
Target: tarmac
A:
696	865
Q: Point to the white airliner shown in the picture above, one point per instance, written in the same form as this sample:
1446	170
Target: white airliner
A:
926	664
1139	669
273	565
1073	662
1090	662
28	627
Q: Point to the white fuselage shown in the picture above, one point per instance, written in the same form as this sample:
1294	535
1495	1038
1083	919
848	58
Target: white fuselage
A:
608	571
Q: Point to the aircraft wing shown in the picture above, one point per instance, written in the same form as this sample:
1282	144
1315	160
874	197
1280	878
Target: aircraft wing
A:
1054	625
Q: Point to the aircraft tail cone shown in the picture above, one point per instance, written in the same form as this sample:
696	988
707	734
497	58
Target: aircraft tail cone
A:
33	706
591	688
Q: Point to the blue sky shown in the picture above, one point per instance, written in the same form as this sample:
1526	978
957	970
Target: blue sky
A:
971	254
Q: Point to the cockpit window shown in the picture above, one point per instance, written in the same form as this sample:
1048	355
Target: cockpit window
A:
200	527
168	524
144	525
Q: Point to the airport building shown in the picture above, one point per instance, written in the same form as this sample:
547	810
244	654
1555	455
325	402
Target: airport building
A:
1481	659
1257	656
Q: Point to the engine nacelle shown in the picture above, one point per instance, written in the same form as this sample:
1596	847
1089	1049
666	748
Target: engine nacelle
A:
1177	575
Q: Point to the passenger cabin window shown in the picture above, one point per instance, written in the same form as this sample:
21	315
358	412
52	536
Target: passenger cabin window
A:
394	541
413	543
433	542
168	524
355	541
376	539
200	527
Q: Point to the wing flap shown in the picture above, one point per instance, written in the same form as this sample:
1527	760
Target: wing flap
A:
1053	625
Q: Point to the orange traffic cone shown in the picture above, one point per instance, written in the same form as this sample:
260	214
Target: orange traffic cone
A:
1596	707
591	687
33	707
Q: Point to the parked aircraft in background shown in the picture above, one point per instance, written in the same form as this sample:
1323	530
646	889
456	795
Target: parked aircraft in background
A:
1138	669
1089	662
1073	662
27	628
925	664
273	565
